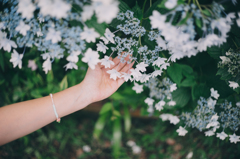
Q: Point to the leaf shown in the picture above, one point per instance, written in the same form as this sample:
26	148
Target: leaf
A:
181	96
99	27
200	90
137	11
99	125
116	113
188	82
106	107
225	75
117	135
64	83
50	76
198	22
206	12
175	73
2	61
117	96
36	94
216	51
127	119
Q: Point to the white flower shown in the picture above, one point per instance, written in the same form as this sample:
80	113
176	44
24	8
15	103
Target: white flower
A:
159	105
222	135
39	33
174	119
209	133
164	66
26	13
214	93
53	35
104	40
234	138
181	131
211	103
16	59
136	149
87	12
47	65
173	87
5	43
135	73
171	103
225	59
126	76
189	155
32	64
109	36
233	84
106	62
238	104
138	88
149	101
105	12
71	65
170	4
161	43
87	148
101	47
141	67
238	22
215	117
54	8
89	35
156	73
114	74
73	57
159	61
22	28
91	57
144	78
131	143
150	109
157	20
165	117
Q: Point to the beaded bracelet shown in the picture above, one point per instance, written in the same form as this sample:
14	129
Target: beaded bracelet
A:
55	111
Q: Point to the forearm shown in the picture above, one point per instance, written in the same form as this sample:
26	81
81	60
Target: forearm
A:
22	118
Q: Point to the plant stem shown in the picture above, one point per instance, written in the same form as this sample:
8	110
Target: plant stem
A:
234	43
196	1
150	3
144	6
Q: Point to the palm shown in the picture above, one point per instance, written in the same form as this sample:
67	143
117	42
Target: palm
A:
99	82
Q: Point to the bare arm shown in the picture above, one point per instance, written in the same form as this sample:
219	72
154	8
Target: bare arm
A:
17	120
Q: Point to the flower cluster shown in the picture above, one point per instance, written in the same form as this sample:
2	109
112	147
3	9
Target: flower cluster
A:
231	62
183	40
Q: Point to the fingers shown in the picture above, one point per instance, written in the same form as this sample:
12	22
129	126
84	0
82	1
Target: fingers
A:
121	65
127	67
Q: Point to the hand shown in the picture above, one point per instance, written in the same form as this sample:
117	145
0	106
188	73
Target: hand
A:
98	81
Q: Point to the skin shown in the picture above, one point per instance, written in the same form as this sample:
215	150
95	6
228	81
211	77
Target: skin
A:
22	118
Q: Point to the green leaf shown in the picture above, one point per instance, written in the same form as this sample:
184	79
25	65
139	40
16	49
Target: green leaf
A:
137	11
117	96
162	4
200	90
106	107
99	27
198	22
64	83
175	73
50	76
116	113
2	61
181	96
188	82
36	94
127	119
99	125
216	51
117	135
225	75
123	7
206	12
